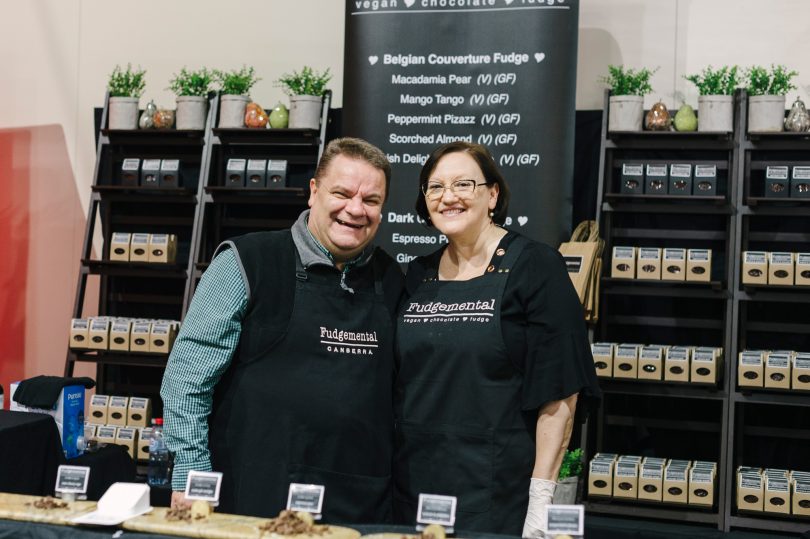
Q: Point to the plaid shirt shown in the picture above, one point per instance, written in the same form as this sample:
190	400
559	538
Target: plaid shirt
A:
202	352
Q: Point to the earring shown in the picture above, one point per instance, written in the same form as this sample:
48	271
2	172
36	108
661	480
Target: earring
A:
492	214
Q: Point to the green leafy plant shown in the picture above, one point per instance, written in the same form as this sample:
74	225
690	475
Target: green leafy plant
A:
776	82
126	82
238	81
630	81
305	82
571	464
192	83
721	81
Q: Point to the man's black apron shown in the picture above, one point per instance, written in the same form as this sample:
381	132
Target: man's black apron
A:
309	404
460	430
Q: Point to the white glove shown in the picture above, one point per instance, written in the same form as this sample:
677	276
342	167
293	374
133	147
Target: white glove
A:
540	493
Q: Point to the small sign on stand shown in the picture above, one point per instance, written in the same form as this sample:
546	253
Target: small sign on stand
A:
566	520
307	498
71	482
204	486
436	509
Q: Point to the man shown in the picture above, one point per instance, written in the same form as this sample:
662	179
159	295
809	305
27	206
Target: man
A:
287	354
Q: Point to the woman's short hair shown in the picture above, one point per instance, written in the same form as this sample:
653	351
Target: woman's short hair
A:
492	175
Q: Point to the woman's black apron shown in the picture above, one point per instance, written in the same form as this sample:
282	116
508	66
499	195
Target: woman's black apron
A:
309	403
460	430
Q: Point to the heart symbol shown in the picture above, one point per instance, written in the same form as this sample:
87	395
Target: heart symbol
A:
539	56
522	220
508	2
409	3
373	59
464	318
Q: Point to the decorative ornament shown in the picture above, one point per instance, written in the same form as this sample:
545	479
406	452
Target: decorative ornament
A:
658	118
797	120
279	117
163	118
686	119
147	121
255	116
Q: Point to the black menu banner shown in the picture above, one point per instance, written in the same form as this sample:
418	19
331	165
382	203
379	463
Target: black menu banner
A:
420	73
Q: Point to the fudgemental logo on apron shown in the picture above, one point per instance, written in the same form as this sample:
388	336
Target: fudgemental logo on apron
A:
481	311
338	341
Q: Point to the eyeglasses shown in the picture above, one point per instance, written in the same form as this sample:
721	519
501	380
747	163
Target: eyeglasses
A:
460	188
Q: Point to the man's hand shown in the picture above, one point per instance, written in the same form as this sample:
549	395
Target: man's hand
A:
179	500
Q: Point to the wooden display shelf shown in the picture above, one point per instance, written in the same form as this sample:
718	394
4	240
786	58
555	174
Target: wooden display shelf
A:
669	140
669	234
618	202
691	289
774	293
778	136
685	425
776	209
800	206
162	195
134	269
785	397
770	522
264	195
730	224
135	297
156	137
661	388
636	508
108	357
664	321
778	327
276	137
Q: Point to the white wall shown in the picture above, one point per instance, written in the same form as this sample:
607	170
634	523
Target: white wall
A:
681	37
55	56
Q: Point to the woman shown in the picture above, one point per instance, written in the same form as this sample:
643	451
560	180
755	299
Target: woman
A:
493	354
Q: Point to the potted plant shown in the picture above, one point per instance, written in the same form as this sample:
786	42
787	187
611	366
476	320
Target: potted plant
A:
627	91
191	89
234	88
306	89
567	489
766	97
125	88
716	100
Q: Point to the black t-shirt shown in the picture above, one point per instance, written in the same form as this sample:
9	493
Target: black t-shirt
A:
542	322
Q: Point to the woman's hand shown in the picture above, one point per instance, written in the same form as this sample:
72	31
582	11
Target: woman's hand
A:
554	425
541	492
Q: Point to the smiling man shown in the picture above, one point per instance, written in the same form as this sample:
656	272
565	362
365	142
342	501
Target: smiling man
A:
282	371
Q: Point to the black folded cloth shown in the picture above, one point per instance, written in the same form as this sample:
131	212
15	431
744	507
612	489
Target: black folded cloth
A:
42	391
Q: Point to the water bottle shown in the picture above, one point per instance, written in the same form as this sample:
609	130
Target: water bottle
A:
159	458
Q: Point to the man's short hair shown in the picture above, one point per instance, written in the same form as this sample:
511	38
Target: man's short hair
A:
356	149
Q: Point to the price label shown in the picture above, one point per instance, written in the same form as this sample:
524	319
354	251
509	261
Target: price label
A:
203	486
436	509
307	498
567	519
72	479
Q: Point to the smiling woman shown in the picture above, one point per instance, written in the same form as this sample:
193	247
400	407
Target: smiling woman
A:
493	356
